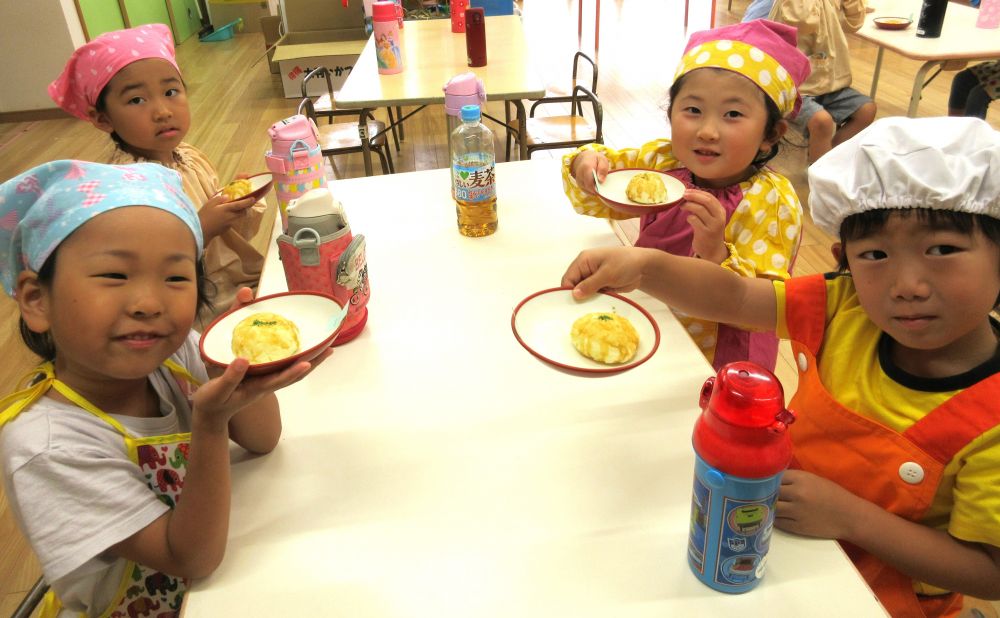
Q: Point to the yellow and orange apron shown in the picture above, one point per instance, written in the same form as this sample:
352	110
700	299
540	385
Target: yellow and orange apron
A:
844	446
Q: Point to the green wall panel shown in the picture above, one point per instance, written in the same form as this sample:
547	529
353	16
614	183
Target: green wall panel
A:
186	18
101	16
147	12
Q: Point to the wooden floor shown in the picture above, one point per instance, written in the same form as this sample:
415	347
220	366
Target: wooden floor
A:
234	102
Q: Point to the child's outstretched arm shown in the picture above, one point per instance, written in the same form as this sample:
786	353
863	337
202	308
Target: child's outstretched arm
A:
697	287
190	540
813	506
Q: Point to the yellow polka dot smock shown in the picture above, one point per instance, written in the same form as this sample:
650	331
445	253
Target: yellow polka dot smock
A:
762	236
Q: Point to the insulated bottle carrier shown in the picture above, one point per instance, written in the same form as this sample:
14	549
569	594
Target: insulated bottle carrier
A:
334	264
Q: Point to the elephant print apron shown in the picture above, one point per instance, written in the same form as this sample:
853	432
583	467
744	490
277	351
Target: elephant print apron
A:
142	592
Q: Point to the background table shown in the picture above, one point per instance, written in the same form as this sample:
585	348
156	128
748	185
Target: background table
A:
433	467
960	40
432	55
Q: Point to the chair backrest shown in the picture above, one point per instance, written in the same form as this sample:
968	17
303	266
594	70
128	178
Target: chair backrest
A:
576	62
307	109
318	72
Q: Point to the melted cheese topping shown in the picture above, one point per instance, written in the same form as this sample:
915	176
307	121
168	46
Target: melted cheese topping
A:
265	337
605	337
646	188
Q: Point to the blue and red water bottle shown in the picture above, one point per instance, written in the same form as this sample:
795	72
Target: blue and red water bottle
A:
741	449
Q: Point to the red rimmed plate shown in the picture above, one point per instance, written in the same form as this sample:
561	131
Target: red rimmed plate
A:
892	23
317	316
612	192
542	322
260	184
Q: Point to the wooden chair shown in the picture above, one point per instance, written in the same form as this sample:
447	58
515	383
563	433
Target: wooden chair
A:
326	108
559	94
568	131
343	138
31	600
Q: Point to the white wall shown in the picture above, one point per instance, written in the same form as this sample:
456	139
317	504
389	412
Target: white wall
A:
36	39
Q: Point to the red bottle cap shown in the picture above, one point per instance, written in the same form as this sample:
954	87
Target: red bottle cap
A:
741	430
383	11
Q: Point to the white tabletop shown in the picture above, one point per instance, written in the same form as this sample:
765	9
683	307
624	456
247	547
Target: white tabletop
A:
432	467
960	38
432	55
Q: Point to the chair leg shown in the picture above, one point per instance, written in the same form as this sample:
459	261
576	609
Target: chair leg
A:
31	600
506	119
386	168
392	127
388	156
399	114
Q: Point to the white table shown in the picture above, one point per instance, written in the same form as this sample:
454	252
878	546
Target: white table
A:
960	40
432	55
432	467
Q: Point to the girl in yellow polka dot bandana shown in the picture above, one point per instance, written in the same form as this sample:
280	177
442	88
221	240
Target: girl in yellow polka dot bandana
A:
732	93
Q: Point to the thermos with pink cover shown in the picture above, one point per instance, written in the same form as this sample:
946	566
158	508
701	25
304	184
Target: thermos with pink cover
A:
461	90
388	38
458	15
741	450
319	253
295	159
989	14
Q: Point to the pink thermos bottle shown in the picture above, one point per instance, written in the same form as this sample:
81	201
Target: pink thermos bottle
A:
741	450
388	38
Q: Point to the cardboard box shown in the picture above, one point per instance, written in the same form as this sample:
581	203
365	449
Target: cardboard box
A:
300	52
316	15
271	26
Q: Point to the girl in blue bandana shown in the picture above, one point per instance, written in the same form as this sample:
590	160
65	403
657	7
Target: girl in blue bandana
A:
112	426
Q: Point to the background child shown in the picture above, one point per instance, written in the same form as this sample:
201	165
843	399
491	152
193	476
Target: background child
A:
731	92
898	431
96	451
832	111
973	89
127	83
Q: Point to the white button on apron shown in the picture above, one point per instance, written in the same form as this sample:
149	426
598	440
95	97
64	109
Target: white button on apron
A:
803	362
911	472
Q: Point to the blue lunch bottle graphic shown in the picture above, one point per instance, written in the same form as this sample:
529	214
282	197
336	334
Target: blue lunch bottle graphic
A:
741	449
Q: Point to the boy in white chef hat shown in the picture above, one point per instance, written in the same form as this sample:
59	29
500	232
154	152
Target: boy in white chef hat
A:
898	437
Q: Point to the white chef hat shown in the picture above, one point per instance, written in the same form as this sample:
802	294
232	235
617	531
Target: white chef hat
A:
945	163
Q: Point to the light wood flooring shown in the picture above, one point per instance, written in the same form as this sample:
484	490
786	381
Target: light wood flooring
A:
234	102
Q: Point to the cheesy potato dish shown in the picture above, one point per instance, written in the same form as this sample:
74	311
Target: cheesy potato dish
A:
605	337
646	188
237	189
265	337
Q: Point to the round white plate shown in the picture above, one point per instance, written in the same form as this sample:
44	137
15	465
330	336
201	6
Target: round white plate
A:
317	316
542	323
612	191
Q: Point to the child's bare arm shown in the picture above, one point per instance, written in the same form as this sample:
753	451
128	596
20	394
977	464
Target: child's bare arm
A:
813	506
696	287
190	540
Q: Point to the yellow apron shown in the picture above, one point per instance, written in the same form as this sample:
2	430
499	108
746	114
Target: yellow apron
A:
162	459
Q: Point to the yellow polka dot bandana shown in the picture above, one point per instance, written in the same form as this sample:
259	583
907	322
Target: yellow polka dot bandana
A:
748	61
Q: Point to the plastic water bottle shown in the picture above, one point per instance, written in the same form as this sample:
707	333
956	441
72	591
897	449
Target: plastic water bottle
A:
741	450
461	90
473	175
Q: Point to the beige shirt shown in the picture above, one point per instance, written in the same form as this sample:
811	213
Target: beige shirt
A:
822	25
234	258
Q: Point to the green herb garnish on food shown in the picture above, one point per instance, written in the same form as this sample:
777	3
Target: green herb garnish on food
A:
604	317
264	323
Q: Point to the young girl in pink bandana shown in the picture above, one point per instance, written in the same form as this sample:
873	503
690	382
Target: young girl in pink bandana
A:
127	84
731	94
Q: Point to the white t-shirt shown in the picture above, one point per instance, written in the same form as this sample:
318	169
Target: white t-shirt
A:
74	491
